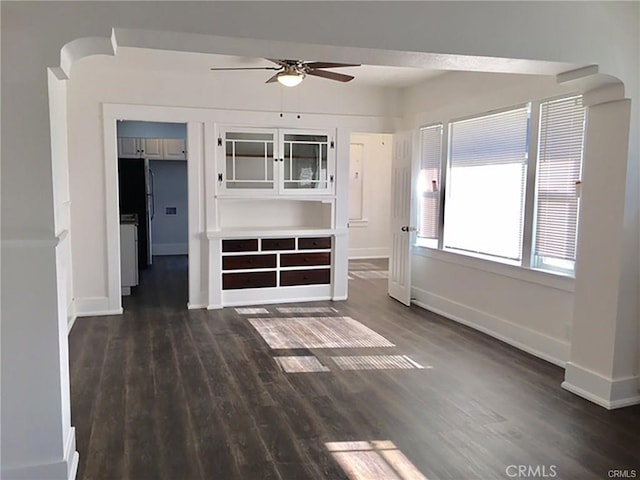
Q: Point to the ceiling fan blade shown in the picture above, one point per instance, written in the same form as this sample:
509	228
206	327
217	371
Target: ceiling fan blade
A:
244	68
273	79
340	77
313	65
282	63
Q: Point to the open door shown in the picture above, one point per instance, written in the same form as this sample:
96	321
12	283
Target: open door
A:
401	194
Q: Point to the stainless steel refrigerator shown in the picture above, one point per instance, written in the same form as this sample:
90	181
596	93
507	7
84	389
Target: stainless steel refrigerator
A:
135	183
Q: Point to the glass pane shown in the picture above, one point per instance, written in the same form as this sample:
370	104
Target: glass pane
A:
256	185
305	164
229	160
269	161
249	136
290	137
298	185
287	161
250	162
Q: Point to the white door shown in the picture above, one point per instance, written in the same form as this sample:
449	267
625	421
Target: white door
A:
401	194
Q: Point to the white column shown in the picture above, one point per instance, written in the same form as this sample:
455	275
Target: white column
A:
603	364
37	441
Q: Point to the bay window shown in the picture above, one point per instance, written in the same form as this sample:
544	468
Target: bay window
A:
487	191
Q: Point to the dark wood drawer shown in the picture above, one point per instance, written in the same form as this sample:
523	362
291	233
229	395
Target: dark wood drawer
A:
305	277
245	245
302	259
234	281
278	244
248	261
314	243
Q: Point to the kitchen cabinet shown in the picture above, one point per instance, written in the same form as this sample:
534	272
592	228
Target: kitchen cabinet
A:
152	148
275	162
174	149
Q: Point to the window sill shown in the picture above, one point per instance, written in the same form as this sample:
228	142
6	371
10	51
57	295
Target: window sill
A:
549	279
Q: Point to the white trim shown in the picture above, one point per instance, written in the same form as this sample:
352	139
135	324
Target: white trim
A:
66	468
197	306
171	249
548	348
263	296
606	392
374	252
94	307
71	320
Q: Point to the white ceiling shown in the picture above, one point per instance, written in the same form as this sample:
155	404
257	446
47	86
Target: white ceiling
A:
199	63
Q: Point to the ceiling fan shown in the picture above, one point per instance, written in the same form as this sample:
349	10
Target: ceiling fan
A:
291	72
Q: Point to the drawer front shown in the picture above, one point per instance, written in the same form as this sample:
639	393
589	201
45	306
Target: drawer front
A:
245	245
234	281
278	244
248	261
314	243
302	259
305	277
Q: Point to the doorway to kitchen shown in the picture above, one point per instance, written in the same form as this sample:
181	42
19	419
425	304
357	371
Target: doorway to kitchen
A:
153	200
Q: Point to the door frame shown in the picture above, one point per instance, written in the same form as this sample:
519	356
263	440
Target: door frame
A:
111	113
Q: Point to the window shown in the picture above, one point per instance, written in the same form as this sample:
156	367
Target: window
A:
486	184
493	205
429	185
557	187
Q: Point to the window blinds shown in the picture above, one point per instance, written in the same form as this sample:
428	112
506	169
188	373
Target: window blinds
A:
559	167
429	181
486	184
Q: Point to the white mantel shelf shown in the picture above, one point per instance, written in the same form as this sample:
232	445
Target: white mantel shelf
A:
271	232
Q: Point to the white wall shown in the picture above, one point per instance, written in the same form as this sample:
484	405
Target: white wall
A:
98	80
371	238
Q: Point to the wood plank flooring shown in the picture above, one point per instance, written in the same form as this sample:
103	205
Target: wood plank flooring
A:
161	392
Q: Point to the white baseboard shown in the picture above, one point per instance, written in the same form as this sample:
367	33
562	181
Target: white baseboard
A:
94	307
196	306
65	469
170	248
548	348
364	253
609	393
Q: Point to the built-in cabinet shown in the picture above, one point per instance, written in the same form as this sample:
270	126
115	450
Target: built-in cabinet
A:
275	162
271	227
152	148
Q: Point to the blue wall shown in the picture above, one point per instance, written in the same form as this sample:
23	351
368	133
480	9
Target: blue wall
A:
128	128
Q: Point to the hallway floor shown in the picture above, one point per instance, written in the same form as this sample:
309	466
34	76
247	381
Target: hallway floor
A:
361	389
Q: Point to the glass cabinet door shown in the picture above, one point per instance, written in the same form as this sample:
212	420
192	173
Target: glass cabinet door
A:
305	163
249	160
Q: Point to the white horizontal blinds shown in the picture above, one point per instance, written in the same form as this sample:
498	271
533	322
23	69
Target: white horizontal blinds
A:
486	184
559	167
429	181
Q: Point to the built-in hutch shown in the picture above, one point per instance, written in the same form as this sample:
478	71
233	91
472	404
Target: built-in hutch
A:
272	235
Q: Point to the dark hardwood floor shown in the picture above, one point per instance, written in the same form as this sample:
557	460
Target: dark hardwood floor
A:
161	392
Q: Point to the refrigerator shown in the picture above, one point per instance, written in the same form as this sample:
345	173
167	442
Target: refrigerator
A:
135	183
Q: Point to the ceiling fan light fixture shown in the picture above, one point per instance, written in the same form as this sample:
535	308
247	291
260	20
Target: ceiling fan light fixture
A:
290	78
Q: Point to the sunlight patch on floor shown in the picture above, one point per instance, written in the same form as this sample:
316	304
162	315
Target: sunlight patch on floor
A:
251	311
376	362
317	332
307	310
306	364
376	460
